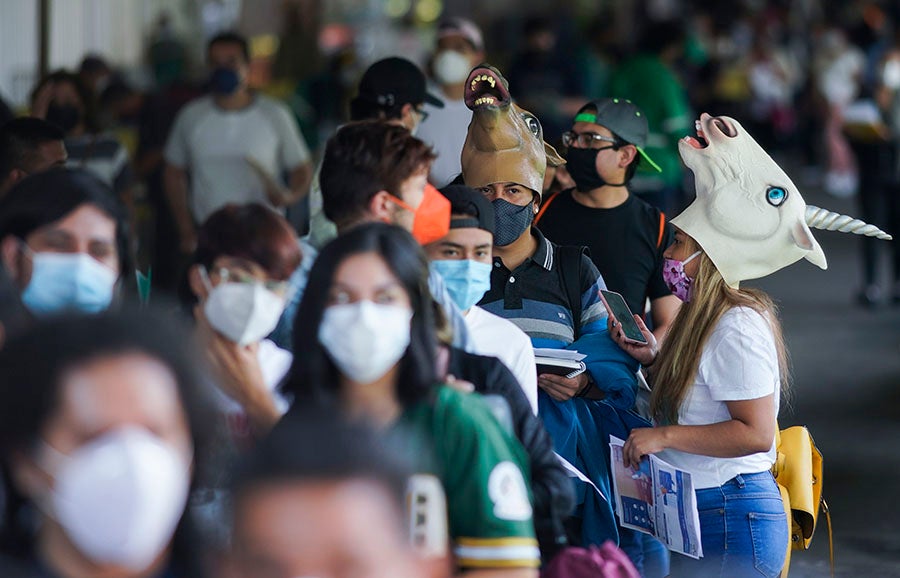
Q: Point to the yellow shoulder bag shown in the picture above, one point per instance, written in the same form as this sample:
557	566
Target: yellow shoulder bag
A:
798	471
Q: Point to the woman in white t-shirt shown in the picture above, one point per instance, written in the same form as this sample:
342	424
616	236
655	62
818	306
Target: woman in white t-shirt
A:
716	387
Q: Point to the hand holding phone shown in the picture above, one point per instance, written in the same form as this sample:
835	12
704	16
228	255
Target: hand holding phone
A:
616	306
642	351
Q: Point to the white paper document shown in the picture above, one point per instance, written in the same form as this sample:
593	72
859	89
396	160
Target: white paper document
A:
656	499
558	354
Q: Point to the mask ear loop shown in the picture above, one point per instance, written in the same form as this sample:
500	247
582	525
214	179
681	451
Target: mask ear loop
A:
204	278
692	257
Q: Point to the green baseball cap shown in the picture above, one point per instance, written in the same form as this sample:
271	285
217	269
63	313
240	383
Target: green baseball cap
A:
623	118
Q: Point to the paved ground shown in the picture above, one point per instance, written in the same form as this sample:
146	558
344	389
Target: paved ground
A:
846	369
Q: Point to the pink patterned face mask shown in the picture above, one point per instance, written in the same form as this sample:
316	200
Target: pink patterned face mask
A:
679	283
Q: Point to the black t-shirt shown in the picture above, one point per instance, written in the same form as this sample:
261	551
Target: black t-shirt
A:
624	243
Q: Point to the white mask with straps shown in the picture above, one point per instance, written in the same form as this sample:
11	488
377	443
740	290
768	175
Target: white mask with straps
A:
119	497
365	339
244	313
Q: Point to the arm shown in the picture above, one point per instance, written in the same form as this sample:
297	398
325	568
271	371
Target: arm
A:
175	180
663	311
750	430
277	194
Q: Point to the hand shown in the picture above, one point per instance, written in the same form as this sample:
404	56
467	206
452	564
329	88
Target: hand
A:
562	388
645	354
239	374
276	193
641	442
42	101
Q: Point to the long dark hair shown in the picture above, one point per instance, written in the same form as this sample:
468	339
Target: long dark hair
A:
313	376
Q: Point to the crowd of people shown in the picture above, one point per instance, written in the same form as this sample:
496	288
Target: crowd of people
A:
224	393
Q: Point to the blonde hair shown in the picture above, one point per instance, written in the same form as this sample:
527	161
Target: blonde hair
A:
675	369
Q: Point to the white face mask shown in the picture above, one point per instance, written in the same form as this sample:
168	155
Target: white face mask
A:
451	67
119	498
243	312
365	339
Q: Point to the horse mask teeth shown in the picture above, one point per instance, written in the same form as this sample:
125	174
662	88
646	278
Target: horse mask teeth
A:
504	142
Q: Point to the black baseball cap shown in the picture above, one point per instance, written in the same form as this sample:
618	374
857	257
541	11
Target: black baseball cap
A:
395	81
467	201
623	118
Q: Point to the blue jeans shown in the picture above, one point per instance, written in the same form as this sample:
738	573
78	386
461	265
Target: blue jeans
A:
743	529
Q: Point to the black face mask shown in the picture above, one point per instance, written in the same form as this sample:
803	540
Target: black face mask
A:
510	221
64	116
582	167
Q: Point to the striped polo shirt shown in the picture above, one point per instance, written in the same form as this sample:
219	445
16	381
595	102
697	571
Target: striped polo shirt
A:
534	298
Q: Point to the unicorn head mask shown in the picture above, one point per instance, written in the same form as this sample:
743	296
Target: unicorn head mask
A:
749	216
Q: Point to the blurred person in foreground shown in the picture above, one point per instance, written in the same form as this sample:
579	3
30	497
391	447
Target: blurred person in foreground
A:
65	243
322	497
101	433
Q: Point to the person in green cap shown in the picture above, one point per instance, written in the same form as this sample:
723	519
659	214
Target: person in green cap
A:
626	236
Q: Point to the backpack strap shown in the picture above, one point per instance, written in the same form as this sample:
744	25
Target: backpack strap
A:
569	264
662	229
544	207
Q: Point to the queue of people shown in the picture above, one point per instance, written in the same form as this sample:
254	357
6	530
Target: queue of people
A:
364	401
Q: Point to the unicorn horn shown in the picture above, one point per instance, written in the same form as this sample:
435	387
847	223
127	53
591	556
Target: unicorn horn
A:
831	221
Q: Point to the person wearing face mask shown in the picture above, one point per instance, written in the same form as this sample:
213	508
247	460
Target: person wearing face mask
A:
28	145
626	235
552	294
463	258
718	377
236	288
393	91
101	436
63	100
377	171
459	49
365	342
231	146
64	242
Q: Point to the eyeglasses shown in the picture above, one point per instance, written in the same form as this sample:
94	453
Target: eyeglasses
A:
280	288
423	114
585	139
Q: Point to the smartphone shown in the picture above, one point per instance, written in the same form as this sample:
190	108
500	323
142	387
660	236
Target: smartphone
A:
616	306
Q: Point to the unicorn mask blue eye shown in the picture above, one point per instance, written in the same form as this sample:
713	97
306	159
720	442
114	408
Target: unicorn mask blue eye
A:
748	234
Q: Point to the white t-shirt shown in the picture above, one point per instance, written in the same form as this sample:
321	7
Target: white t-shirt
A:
740	361
213	144
445	130
494	336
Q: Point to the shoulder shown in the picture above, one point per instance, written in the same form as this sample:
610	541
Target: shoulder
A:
196	108
479	317
742	326
465	411
271	107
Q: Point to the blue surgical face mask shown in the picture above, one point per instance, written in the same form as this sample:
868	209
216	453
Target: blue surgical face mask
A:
467	281
68	282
